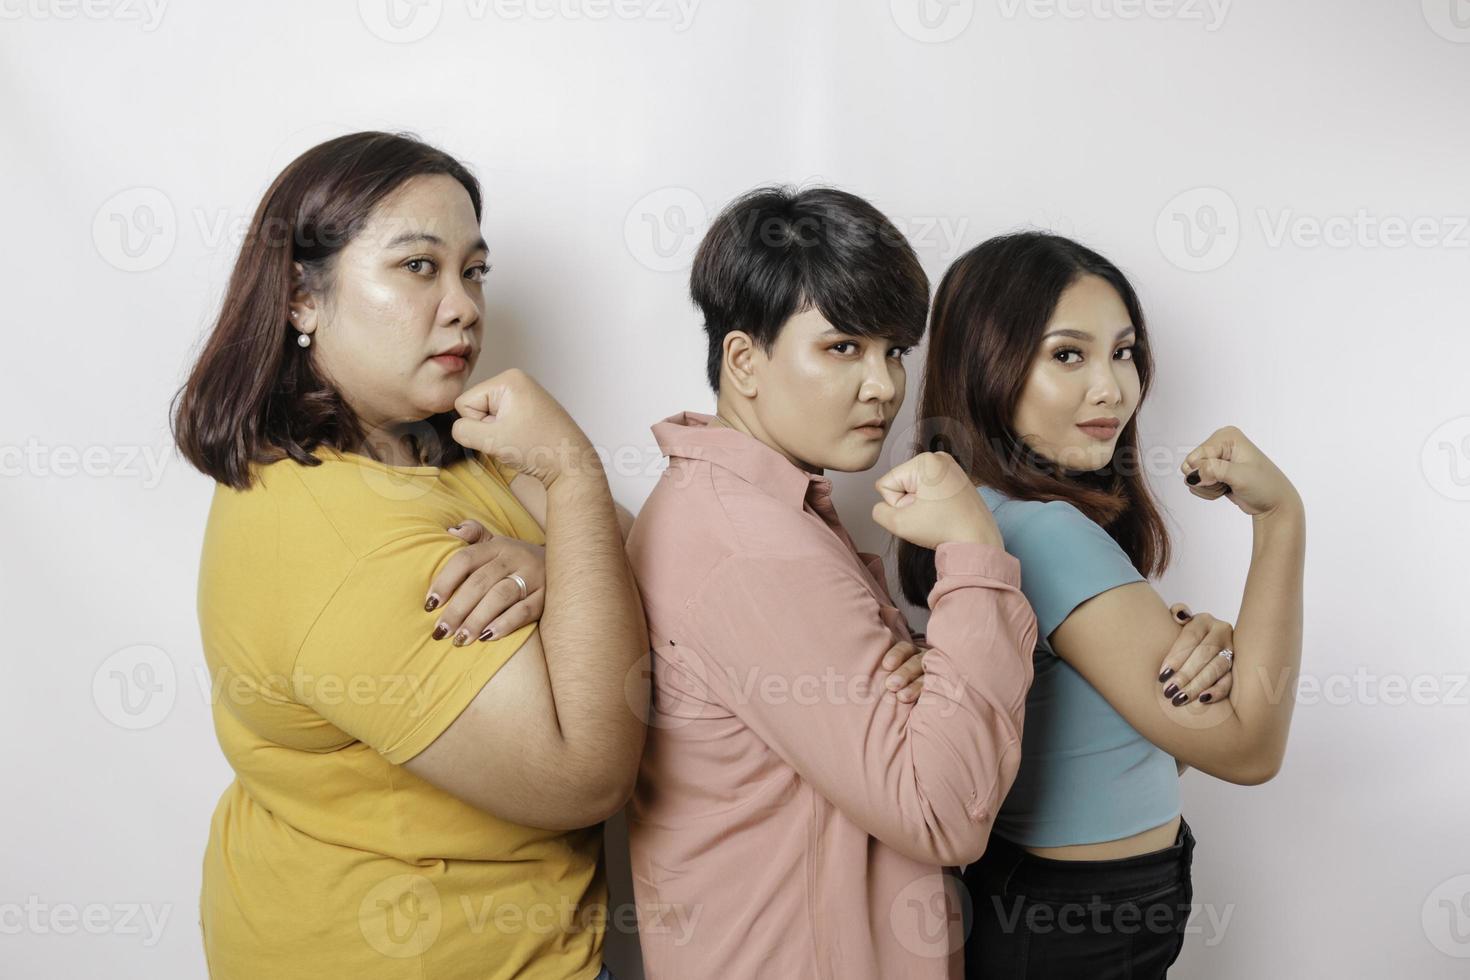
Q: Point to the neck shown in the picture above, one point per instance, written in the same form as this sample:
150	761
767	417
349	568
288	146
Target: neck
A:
394	445
733	416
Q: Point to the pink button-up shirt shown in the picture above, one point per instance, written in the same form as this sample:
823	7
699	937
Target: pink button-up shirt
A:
792	815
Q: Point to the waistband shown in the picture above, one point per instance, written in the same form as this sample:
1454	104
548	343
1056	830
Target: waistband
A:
1010	869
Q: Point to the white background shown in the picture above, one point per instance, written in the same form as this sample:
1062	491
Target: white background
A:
137	141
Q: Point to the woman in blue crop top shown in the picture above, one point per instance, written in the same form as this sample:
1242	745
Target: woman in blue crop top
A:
1038	363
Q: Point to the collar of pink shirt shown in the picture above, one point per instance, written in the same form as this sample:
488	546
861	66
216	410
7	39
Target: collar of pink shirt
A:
692	435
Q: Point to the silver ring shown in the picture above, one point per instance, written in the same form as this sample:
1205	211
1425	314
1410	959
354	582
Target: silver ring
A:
1228	656
520	583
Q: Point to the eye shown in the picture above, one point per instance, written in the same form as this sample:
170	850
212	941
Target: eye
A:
478	273
842	343
900	352
420	260
1061	354
1125	352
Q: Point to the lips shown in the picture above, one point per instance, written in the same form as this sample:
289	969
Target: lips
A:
1100	428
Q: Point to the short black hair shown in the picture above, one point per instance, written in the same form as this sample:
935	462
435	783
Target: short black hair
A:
775	252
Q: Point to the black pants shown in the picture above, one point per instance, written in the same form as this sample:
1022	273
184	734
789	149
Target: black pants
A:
1040	918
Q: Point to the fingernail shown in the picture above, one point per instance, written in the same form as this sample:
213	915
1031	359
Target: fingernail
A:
461	638
1165	674
1205	698
431	603
1181	697
892	683
489	632
441	631
1182	615
1192	478
1171	690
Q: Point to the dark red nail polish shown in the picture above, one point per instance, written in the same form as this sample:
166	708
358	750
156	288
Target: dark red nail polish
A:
489	632
431	603
1171	690
1165	674
441	631
1181	697
1204	698
1193	478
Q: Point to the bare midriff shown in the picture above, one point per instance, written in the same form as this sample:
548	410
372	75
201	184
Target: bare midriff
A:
1154	839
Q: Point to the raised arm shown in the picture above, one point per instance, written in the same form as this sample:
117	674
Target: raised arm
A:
1116	639
794	647
554	738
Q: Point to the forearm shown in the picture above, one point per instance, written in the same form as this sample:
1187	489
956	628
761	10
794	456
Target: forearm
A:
592	629
966	728
1268	635
963	735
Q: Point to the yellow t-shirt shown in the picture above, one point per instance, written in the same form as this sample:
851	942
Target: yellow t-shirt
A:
326	858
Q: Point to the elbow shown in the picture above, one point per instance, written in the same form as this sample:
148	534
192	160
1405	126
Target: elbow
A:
1250	769
599	793
1257	771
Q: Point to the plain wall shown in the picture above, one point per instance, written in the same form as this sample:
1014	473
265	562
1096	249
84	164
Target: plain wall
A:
1285	182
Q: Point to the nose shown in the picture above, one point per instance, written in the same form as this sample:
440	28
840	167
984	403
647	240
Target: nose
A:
878	384
458	307
1105	388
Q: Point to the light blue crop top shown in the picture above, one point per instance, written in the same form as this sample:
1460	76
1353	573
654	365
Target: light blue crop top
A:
1086	774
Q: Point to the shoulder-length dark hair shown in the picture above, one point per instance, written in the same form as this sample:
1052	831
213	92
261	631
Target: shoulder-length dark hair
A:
253	395
985	329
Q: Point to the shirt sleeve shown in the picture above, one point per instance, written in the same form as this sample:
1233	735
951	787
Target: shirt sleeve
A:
1066	558
794	647
369	664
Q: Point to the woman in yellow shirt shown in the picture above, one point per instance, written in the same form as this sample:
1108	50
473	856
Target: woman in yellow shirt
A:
416	795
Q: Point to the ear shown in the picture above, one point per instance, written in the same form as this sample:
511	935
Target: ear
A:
739	355
302	312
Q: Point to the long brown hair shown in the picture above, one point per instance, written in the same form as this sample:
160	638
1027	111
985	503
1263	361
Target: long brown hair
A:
253	396
989	315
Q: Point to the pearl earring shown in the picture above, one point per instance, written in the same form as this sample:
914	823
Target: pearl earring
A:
303	339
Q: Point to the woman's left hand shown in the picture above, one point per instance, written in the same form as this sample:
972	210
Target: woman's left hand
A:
474	593
1194	667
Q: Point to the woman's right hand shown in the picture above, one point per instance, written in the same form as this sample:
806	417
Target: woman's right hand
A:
1228	464
515	420
929	500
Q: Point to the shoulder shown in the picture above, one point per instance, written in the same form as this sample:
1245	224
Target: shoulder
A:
1066	557
1041	527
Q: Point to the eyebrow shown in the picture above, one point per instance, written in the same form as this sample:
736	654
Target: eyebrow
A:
1084	335
410	237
